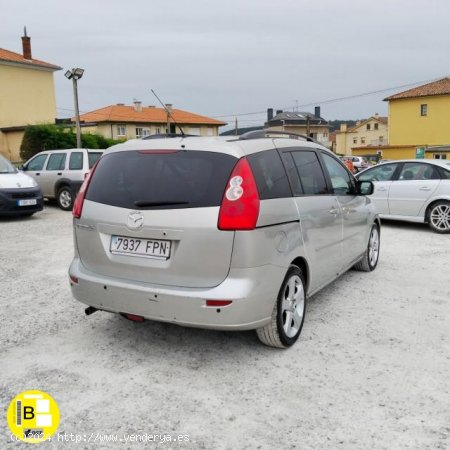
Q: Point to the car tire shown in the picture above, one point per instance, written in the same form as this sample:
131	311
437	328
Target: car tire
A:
439	217
288	313
64	198
370	259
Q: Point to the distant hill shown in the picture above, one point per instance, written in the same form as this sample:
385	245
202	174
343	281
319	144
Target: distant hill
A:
335	125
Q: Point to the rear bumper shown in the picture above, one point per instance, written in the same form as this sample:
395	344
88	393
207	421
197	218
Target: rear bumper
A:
10	198
253	293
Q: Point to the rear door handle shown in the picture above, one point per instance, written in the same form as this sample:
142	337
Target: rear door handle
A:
59	173
37	174
425	188
381	189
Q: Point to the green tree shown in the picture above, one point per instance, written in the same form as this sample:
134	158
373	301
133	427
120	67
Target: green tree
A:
51	137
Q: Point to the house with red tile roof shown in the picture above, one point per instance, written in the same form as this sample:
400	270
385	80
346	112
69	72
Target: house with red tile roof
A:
419	121
27	96
129	122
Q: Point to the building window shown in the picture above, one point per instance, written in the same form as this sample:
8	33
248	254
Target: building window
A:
424	110
194	130
121	130
363	140
157	130
368	126
440	156
141	132
355	141
375	126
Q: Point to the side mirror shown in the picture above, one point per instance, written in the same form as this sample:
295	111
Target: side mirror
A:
365	187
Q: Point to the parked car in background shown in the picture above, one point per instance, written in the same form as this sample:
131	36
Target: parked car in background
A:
229	234
360	162
19	193
347	160
412	190
60	173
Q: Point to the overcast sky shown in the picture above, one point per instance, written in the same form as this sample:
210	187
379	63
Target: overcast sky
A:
228	58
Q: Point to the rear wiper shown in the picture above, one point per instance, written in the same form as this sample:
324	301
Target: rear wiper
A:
143	203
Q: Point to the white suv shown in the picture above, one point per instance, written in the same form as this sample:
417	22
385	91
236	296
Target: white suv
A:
60	173
226	234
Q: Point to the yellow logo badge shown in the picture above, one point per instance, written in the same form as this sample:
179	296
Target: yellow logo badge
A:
33	416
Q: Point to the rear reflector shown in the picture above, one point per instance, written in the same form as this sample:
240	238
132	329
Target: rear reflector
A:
134	318
73	279
218	303
240	204
78	204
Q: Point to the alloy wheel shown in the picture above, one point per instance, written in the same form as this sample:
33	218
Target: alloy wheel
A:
440	217
292	306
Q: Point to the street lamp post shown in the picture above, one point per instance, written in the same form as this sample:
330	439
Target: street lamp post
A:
75	75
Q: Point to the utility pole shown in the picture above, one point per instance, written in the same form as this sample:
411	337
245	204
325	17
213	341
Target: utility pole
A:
77	111
235	126
75	75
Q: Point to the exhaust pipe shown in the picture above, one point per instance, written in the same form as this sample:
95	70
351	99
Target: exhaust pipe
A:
90	310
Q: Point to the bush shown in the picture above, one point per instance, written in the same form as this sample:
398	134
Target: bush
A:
51	137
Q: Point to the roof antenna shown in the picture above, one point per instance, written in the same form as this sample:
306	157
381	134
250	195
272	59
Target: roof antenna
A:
168	113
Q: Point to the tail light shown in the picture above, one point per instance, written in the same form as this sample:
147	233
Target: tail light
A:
240	204
78	204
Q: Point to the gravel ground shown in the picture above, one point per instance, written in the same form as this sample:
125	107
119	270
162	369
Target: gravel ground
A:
370	370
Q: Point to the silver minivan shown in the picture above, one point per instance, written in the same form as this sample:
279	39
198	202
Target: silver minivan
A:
228	234
60	173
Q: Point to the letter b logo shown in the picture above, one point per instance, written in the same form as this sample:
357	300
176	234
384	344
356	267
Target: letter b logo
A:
28	412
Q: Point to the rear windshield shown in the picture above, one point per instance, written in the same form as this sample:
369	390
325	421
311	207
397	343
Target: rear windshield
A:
152	180
93	157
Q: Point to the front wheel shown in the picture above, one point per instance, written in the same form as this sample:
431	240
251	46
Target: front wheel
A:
65	198
288	313
370	259
439	217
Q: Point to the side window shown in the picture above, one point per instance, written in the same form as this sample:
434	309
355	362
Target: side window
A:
37	163
292	173
385	172
93	158
56	161
76	161
270	175
310	173
418	171
445	174
340	178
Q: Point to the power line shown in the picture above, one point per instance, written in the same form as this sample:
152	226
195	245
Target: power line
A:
321	102
333	100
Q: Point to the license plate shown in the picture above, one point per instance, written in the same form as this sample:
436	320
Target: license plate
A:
29	202
146	248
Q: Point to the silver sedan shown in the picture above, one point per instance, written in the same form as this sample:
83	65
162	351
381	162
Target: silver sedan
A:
412	190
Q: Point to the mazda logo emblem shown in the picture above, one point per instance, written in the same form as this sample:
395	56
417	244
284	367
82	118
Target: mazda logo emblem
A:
135	220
